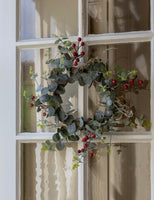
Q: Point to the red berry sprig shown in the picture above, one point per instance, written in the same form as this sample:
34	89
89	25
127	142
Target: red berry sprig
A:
76	54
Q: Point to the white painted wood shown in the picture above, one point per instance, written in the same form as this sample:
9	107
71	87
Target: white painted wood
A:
116	138
110	38
81	186
41	42
8	100
113	38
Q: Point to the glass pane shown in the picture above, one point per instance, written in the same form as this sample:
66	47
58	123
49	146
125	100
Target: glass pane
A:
41	19
31	120
121	176
116	16
48	175
127	56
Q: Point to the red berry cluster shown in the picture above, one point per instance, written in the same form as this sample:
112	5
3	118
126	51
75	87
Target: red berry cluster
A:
76	55
86	143
130	82
41	105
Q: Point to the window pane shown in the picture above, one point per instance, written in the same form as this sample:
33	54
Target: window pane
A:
41	19
31	120
116	16
121	176
127	56
48	175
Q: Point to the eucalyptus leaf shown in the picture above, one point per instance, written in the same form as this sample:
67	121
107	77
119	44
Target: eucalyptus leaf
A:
89	129
55	63
60	145
73	137
51	111
45	98
71	128
44	91
52	87
56	137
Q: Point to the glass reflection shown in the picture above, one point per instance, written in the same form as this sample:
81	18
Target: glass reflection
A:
41	19
48	175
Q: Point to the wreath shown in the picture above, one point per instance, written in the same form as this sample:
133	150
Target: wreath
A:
112	86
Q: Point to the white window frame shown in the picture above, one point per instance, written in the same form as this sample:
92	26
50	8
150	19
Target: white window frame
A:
10	139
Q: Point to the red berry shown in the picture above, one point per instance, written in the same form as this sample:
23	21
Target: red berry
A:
31	105
140	82
75	63
131	81
82	150
39	109
86	137
82	53
83	139
73	45
93	135
91	155
77	60
75	54
85	145
79	39
113	74
79	151
44	114
126	87
114	82
82	43
33	97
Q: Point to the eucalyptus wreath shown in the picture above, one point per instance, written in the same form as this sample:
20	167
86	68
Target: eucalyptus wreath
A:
112	87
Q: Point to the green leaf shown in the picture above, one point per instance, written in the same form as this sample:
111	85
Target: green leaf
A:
62	79
89	129
60	89
30	70
39	88
73	138
61	115
57	41
56	99
76	165
45	98
69	119
52	87
71	128
64	132
37	102
44	148
146	124
81	124
68	63
67	43
86	78
34	76
44	91
127	122
56	137
55	63
51	111
60	146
